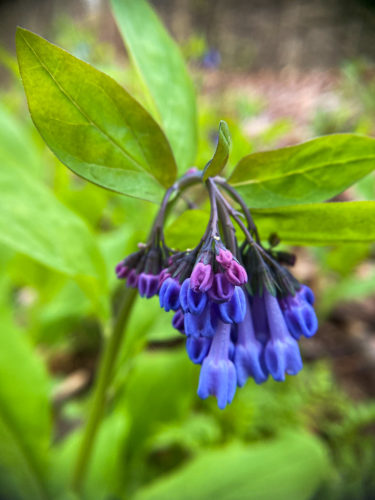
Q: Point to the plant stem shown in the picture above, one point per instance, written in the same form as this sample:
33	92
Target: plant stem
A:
213	222
227	227
233	193
107	363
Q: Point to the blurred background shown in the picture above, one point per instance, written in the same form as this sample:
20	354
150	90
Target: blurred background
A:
279	72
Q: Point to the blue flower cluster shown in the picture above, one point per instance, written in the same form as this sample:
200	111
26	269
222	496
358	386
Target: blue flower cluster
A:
239	307
243	337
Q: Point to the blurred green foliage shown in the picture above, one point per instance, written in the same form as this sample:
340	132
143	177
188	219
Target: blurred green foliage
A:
294	440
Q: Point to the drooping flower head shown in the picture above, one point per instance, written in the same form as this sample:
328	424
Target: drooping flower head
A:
240	309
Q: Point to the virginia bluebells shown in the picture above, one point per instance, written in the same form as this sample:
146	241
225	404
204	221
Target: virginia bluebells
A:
239	307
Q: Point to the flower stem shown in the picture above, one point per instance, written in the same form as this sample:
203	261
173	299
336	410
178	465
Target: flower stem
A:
107	363
233	193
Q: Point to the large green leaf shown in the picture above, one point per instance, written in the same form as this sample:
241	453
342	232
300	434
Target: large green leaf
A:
163	71
307	173
221	155
311	224
290	468
25	417
91	123
319	223
34	222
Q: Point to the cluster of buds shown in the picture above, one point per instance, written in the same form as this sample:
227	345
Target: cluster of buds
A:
239	307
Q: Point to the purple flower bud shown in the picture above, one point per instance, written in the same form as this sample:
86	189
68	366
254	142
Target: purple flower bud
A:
236	274
163	276
281	355
248	353
178	321
148	285
132	279
197	348
193	302
204	324
222	290
201	278
169	294
122	271
225	258
234	310
218	374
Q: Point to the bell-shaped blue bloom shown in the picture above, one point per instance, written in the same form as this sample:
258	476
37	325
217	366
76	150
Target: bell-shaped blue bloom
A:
218	374
281	353
299	313
234	310
190	301
169	294
197	348
204	324
248	354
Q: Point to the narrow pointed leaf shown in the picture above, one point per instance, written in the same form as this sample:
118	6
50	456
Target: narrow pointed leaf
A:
310	172
319	223
162	69
221	155
91	123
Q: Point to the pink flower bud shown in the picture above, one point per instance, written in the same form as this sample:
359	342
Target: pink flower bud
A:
201	278
236	274
225	258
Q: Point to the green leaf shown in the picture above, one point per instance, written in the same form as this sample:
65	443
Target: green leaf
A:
221	155
35	223
91	123
310	172
168	385
320	223
25	417
187	229
312	224
16	144
162	69
288	468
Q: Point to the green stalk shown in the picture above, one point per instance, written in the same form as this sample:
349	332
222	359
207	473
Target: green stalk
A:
107	363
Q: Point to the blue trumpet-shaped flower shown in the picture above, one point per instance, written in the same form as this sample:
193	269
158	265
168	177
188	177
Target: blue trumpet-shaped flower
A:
248	352
197	348
299	313
204	324
218	373
281	353
191	301
234	310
